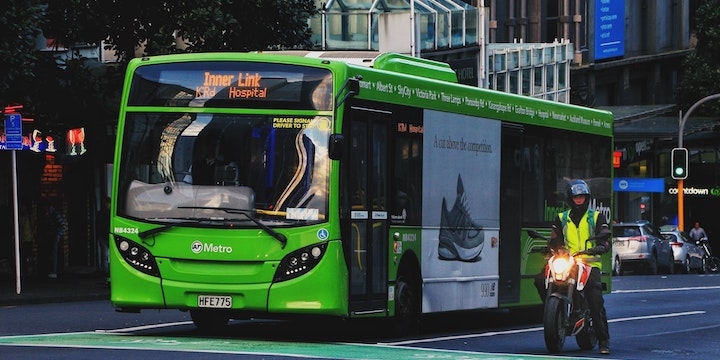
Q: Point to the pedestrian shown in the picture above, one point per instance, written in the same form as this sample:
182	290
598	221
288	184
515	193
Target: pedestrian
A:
697	232
55	227
570	230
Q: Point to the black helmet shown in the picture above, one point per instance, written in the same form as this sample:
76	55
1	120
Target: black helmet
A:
574	188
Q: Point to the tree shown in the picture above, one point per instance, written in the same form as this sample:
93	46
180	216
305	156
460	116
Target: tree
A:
20	24
244	25
202	25
701	75
131	27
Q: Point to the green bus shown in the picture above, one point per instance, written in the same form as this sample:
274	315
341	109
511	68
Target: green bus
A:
261	185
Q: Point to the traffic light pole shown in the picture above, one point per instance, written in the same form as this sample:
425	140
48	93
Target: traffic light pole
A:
681	205
680	195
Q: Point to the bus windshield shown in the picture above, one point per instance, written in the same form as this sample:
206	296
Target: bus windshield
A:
182	167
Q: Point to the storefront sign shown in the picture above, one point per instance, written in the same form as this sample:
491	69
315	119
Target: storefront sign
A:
13	139
617	157
697	191
639	184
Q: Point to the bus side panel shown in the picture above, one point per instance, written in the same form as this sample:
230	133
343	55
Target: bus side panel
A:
461	212
322	291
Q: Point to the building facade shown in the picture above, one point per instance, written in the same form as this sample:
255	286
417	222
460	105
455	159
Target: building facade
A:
625	56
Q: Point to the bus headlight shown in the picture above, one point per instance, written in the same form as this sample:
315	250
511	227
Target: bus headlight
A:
137	256
299	262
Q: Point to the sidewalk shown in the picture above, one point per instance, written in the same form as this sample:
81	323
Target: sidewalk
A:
76	285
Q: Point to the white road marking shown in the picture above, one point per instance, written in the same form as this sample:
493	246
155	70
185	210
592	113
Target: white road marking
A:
517	331
146	327
666	289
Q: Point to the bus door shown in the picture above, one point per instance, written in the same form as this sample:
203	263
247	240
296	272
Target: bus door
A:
367	189
511	191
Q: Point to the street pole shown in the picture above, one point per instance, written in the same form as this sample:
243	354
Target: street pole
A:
18	281
683	120
413	50
681	205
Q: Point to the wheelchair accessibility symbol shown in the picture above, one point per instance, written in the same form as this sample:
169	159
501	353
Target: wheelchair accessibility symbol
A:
322	234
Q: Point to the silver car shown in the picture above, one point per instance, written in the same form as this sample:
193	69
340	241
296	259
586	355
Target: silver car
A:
638	245
688	255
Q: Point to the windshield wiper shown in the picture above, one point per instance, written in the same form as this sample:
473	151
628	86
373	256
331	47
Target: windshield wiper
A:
247	213
153	231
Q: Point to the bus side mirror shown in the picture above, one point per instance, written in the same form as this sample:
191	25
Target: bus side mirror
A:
336	146
354	85
353	88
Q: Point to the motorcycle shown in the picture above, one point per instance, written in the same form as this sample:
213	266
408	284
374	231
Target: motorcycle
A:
711	263
566	311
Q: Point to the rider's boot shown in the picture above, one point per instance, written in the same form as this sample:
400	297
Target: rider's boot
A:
604	347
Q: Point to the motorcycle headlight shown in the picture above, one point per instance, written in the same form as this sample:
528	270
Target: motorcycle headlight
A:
561	265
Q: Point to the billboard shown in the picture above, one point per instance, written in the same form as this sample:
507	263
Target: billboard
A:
609	31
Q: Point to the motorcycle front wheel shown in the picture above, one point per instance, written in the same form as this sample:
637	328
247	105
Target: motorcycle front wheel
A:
554	324
713	264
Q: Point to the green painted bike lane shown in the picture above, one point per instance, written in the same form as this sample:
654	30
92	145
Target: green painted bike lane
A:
105	340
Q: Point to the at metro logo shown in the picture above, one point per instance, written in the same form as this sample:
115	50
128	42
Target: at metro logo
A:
198	247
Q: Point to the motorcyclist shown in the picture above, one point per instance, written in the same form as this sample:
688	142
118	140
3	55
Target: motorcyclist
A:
570	230
697	232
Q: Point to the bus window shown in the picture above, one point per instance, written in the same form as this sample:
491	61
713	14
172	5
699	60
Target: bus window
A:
199	163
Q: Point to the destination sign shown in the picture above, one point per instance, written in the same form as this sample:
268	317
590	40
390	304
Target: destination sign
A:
227	84
240	86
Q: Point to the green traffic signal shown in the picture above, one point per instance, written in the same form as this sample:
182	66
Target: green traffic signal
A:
679	164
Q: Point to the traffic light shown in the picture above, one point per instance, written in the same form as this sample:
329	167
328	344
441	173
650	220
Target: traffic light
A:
679	164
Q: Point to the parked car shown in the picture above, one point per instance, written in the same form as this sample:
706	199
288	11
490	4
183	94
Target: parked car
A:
616	264
688	255
639	246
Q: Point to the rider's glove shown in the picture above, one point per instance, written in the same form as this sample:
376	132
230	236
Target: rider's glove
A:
597	250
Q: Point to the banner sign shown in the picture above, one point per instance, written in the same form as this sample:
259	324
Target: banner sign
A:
639	184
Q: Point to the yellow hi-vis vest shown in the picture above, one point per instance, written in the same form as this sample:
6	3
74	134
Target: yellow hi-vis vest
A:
575	236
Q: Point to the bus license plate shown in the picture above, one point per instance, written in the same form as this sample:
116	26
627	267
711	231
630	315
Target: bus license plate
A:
213	301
